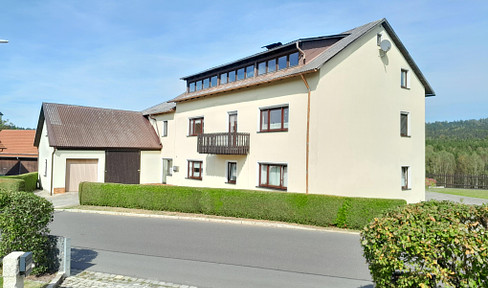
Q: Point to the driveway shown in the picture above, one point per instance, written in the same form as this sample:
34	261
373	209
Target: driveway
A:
63	200
454	198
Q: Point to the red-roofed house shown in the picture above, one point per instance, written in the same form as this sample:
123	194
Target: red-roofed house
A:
18	154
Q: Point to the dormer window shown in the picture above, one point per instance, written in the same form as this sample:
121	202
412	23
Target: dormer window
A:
245	72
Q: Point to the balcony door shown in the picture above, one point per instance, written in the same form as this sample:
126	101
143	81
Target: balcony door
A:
233	128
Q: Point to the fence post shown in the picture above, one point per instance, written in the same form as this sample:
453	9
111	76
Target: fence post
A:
11	271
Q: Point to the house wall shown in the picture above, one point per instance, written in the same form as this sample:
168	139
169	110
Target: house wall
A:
356	148
150	167
45	160
59	169
274	147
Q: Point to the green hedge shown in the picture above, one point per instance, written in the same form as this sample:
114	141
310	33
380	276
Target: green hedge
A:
320	210
429	244
30	180
11	184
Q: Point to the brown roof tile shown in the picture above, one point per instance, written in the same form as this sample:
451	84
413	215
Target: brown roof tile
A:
18	143
71	126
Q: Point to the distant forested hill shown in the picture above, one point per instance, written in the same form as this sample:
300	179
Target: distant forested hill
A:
457	130
459	147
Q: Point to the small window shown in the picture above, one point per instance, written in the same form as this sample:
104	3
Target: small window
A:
406	178
206	83
192	87
282	62
262	68
240	74
404	79
199	85
45	167
294	59
195	169
404	127
273	176
250	71
275	119
165	129
213	81
196	126
231	172
272	65
232	76
223	78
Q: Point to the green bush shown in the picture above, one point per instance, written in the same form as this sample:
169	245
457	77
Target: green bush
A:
11	184
320	210
30	180
24	221
429	244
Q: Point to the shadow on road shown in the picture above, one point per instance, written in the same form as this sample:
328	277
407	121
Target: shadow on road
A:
367	286
81	259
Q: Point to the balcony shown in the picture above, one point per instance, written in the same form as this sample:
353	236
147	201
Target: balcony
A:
223	143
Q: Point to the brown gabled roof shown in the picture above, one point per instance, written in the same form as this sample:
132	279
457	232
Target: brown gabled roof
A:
70	126
17	143
312	65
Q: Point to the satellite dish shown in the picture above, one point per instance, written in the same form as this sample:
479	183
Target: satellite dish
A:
385	46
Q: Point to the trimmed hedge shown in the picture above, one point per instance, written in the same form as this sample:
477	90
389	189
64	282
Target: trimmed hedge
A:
24	221
11	184
429	244
312	209
30	180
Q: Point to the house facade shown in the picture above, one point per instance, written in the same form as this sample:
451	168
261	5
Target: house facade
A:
79	143
340	115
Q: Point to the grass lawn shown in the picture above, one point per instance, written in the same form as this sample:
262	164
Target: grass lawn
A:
475	193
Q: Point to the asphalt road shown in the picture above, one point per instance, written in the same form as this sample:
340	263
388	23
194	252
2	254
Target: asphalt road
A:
206	254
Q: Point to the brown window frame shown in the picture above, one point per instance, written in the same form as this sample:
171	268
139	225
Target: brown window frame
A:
191	126
282	129
267	185
190	169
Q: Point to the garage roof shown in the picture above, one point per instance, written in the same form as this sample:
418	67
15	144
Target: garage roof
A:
81	127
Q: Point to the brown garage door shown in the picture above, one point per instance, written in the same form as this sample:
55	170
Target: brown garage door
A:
79	170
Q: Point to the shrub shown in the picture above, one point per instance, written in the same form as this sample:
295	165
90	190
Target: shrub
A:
312	209
30	180
11	184
429	244
24	221
430	182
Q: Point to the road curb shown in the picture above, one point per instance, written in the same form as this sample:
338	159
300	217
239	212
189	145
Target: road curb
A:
56	281
214	219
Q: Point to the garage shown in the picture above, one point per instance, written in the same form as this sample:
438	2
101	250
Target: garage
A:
79	170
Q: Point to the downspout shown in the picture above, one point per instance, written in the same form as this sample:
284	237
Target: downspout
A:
308	133
303	53
51	189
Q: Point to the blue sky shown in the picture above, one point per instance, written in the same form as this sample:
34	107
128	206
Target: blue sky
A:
131	54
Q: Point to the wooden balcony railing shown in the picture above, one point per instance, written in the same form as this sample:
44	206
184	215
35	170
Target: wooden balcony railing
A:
223	143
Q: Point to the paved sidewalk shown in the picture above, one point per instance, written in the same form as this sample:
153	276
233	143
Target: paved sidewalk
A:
88	279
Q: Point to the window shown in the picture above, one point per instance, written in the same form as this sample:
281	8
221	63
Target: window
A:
196	126
192	87
231	172
45	167
261	68
273	176
240	74
165	129
199	85
206	83
272	65
404	127
404	79
274	119
223	78
294	59
232	76
195	169
282	62
405	178
250	71
213	81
